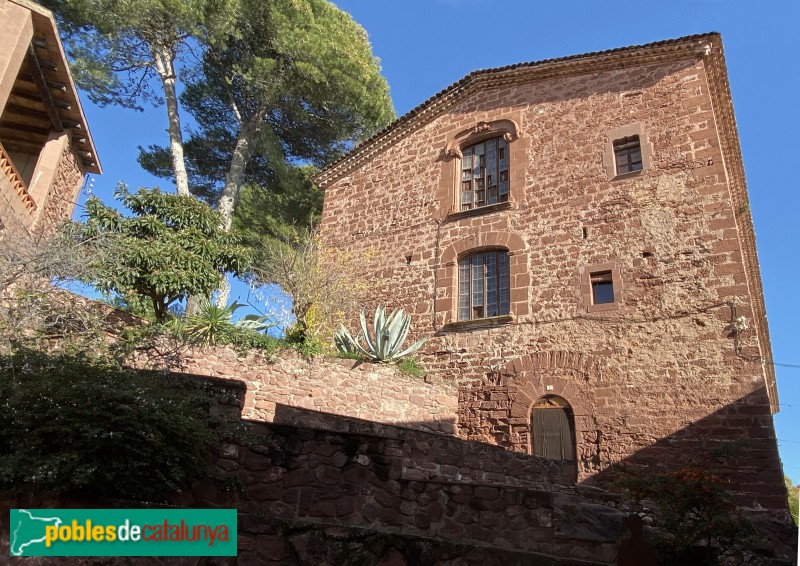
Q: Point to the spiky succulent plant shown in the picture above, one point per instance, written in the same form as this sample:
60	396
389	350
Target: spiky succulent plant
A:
385	342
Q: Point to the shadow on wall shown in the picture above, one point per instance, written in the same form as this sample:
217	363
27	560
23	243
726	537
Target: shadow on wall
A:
313	487
736	443
343	470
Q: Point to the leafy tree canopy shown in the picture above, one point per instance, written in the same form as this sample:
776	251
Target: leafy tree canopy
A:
112	43
169	247
296	83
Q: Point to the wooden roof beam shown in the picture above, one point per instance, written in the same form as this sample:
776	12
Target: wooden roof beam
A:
23	111
44	90
29	97
26	147
22	127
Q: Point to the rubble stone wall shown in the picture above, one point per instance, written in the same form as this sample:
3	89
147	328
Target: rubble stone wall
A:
639	374
373	392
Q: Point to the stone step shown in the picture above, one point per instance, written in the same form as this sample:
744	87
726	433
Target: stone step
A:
267	539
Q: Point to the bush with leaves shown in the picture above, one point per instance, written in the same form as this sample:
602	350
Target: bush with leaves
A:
73	425
212	325
318	277
694	514
171	247
36	271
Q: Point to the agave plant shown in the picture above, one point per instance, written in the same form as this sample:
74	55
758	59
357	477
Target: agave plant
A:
385	342
255	323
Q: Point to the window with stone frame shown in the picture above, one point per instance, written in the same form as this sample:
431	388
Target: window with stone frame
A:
484	285
484	173
628	155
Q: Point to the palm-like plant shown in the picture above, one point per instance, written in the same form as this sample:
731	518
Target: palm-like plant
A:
210	322
385	342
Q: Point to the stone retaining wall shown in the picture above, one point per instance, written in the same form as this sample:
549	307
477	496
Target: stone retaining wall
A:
374	392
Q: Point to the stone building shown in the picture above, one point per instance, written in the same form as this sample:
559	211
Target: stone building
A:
45	144
574	235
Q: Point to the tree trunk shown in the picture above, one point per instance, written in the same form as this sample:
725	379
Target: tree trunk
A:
248	132
233	178
224	292
165	66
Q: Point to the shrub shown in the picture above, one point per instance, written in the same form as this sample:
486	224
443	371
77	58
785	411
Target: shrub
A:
210	323
168	248
694	513
78	426
320	279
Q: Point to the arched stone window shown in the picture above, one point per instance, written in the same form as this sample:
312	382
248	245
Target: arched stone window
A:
482	280
484	173
553	429
483	169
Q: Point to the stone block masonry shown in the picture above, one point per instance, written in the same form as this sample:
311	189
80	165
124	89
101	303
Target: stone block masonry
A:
315	488
661	376
374	392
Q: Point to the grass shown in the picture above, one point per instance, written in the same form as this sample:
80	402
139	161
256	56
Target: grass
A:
411	367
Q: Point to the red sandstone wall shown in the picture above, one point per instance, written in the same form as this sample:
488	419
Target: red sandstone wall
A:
644	373
51	207
374	392
315	488
60	200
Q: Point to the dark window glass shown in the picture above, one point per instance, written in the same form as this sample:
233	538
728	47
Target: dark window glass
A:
628	155
484	174
483	285
602	288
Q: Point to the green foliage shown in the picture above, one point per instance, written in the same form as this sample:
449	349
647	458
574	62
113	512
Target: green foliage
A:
297	337
411	367
792	488
385	342
693	508
171	247
74	425
210	322
111	44
212	325
293	82
246	340
278	209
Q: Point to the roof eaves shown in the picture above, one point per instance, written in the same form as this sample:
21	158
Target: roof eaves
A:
500	76
45	22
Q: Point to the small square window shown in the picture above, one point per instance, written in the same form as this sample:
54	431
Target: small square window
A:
602	287
628	155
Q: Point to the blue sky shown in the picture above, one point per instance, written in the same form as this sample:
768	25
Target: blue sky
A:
425	45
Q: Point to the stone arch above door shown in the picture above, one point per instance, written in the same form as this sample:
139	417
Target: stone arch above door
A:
566	374
570	375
